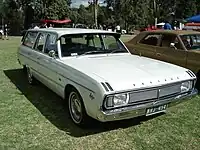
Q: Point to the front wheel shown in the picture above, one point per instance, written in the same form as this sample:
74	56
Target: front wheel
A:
198	82
76	109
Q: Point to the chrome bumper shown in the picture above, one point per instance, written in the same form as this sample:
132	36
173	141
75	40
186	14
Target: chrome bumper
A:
140	110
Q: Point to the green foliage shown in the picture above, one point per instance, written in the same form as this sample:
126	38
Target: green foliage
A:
128	13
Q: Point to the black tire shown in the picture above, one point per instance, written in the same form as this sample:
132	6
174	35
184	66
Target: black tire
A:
24	69
31	80
76	109
198	82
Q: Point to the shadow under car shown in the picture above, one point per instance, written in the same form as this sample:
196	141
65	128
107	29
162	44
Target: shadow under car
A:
54	108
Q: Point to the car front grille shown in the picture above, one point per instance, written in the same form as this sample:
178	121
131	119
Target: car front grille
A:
156	94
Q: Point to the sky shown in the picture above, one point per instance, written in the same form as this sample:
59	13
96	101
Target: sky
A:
76	3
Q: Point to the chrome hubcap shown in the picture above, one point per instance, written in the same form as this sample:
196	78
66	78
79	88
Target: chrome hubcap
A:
75	107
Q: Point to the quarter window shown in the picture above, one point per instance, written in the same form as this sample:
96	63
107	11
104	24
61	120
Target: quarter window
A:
30	38
167	39
151	39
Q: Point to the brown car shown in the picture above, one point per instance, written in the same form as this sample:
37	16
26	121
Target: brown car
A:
179	47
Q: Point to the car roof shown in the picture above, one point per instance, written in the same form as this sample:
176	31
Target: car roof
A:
177	32
65	31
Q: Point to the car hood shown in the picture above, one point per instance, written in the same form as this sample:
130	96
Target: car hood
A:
127	71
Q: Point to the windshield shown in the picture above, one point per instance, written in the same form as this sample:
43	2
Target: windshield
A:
85	44
191	42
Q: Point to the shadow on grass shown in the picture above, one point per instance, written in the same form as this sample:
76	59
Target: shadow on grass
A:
52	107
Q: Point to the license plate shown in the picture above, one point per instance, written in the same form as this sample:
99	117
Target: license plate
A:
155	110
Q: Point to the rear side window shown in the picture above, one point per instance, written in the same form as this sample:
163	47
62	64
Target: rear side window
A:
151	39
51	43
167	39
40	42
29	39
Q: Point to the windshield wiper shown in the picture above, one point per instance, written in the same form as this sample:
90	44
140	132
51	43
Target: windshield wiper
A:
91	52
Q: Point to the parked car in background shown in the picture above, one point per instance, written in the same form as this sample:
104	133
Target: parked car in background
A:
178	47
83	26
124	31
98	77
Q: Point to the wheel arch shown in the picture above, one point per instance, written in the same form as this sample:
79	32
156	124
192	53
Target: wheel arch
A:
68	87
91	106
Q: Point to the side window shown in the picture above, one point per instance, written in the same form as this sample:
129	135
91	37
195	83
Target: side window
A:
167	39
177	43
151	39
51	43
40	42
110	42
29	39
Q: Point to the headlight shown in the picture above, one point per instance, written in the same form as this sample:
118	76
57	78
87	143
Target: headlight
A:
186	86
117	100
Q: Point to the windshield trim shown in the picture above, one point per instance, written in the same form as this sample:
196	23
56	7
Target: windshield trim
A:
115	35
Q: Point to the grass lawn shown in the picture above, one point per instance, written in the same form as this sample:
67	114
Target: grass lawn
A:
35	118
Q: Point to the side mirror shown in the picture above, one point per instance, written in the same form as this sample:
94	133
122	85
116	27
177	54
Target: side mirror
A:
52	53
172	45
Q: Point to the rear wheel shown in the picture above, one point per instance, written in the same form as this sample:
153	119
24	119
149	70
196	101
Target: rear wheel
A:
76	108
30	78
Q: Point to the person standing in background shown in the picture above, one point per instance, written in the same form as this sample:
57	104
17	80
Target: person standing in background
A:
167	26
6	32
36	27
44	25
118	29
50	26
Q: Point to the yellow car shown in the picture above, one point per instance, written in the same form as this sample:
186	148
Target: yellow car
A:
180	47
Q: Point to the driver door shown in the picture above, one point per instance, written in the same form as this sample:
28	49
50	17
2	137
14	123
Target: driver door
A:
176	54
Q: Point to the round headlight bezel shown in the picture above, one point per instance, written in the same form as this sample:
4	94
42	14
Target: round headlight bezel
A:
111	100
186	86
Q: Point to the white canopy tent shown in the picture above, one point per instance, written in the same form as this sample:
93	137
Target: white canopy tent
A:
160	24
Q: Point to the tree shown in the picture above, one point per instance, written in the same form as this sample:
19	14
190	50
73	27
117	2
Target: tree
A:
185	9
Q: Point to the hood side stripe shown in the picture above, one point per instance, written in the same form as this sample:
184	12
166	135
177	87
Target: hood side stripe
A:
108	85
105	87
191	75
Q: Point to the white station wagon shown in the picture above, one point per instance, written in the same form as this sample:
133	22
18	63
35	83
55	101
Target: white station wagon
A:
98	77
